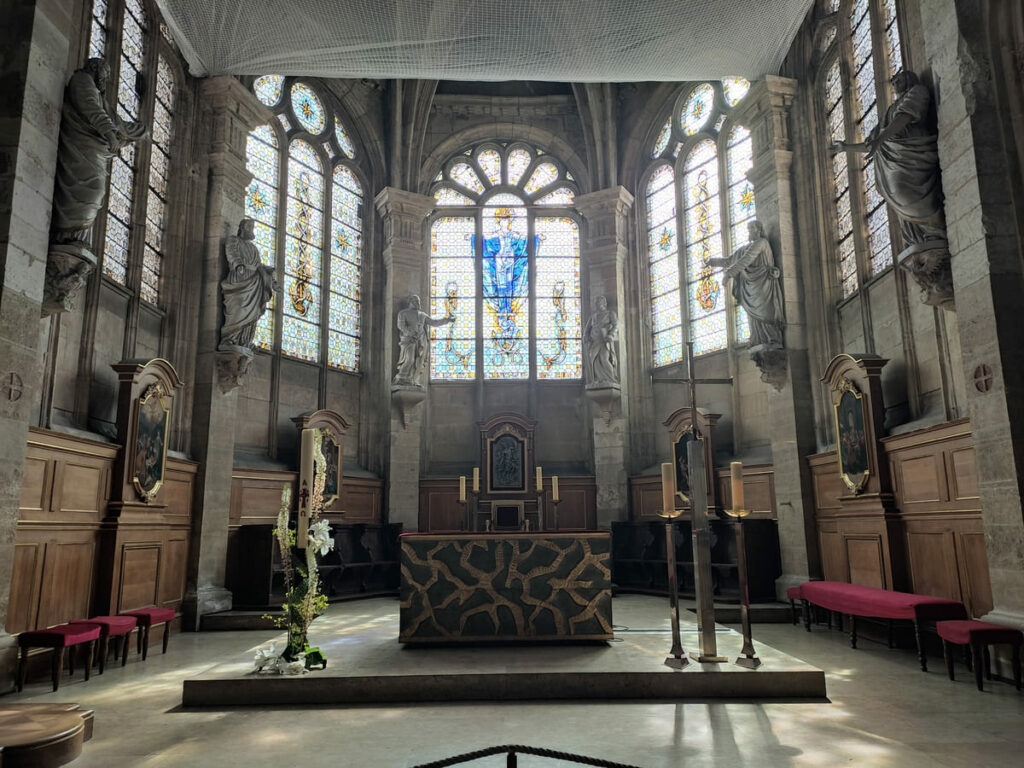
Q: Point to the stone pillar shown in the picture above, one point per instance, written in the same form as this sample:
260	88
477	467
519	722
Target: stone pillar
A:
405	260
606	213
765	112
230	111
34	38
984	242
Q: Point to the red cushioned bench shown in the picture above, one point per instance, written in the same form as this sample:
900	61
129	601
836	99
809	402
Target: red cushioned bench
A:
59	639
119	627
979	635
147	619
855	600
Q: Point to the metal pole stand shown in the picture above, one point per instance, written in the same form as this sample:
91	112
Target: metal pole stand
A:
749	657
702	553
554	513
678	658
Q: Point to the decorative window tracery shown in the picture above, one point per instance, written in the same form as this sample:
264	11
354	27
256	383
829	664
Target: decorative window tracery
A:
501	229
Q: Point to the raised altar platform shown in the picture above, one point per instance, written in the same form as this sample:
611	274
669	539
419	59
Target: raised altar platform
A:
501	587
366	664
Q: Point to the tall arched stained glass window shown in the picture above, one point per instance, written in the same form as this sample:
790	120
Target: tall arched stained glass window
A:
303	250
716	203
159	166
122	168
318	218
870	40
524	322
98	29
262	161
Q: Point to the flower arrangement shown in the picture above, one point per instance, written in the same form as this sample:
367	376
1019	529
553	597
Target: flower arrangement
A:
303	599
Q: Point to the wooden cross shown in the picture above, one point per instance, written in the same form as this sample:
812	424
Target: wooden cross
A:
693	381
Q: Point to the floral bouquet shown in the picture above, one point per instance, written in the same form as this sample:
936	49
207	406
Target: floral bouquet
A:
303	599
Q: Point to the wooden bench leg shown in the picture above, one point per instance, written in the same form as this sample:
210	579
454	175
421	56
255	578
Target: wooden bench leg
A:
90	649
104	650
807	615
921	655
988	663
57	667
23	669
948	657
792	611
1016	666
853	631
145	642
167	635
124	647
977	661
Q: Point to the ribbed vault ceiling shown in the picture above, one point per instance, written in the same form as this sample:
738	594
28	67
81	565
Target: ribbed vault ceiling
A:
567	40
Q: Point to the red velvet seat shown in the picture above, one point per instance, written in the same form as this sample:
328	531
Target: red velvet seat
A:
979	635
149	618
59	639
112	626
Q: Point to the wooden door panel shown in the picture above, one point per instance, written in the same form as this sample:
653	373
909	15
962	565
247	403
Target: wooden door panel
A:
67	582
864	556
974	567
26	571
933	563
140	571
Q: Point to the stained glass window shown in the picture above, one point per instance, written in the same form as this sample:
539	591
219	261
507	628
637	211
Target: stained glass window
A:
527	265
346	270
664	135
303	255
663	258
159	166
268	89
261	204
697	109
703	242
98	29
308	109
735	88
453	293
343	139
122	168
894	49
559	352
741	211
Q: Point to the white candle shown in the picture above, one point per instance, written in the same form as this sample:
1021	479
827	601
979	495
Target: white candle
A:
540	479
305	486
476	479
668	487
554	487
462	488
736	474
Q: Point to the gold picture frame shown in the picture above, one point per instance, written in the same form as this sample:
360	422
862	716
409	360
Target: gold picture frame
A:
331	449
849	419
149	447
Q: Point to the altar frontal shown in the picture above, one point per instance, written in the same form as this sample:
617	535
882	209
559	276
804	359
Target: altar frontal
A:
505	587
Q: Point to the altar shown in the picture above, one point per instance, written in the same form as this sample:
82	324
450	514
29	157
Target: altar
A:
502	587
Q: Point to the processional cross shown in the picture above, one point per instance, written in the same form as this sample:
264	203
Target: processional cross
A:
701	541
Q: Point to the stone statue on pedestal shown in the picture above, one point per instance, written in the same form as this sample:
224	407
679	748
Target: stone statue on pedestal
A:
91	134
249	285
600	365
412	341
904	150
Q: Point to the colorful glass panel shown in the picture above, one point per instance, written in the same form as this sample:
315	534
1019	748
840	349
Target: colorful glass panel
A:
703	243
741	210
159	165
344	297
697	109
448	196
308	109
464	175
303	256
894	48
344	140
261	205
519	160
543	175
98	30
268	89
842	222
663	262
557	283
735	88
490	163
505	268
661	143
453	294
558	196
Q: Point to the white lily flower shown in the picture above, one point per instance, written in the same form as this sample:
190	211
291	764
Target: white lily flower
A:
265	657
320	537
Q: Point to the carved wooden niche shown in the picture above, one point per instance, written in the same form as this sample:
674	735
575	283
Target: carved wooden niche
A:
144	400
333	428
680	434
506	447
858	413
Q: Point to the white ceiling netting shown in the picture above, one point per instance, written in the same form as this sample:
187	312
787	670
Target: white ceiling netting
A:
567	40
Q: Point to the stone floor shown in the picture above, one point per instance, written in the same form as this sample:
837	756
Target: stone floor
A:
883	712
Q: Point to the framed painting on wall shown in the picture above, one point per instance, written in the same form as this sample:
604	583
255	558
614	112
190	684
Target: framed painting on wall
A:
149	451
331	450
851	437
506	463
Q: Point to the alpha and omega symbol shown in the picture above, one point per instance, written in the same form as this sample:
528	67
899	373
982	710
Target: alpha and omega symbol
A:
983	377
13	386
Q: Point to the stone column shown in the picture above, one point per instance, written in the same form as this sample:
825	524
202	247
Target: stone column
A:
984	242
765	112
34	38
229	112
606	214
405	259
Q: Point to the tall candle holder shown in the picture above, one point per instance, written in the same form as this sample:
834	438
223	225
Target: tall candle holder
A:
737	512
677	658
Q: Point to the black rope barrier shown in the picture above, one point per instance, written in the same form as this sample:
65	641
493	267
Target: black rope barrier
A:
513	749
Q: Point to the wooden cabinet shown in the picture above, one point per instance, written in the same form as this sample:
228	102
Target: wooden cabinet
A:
639	563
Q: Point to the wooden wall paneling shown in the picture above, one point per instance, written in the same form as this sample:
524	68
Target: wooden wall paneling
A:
758	489
645	497
36	484
439	506
974	575
26	582
256	495
68	572
833	552
964	474
932	555
139	576
578	507
362	500
866	561
172	576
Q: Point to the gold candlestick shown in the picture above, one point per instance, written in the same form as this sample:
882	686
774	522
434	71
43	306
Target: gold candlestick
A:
748	658
677	658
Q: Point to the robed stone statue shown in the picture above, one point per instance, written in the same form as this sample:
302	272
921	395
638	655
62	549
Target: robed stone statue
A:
91	134
249	285
412	341
904	151
756	288
600	365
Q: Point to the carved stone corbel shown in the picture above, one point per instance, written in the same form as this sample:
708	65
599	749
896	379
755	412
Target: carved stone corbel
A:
773	364
929	264
68	266
232	368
